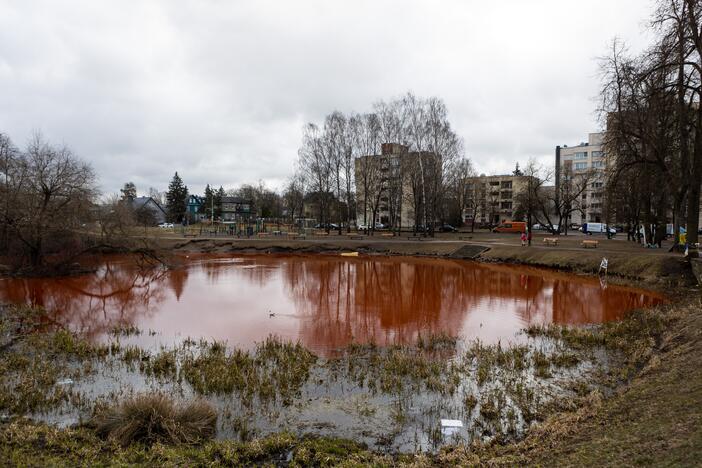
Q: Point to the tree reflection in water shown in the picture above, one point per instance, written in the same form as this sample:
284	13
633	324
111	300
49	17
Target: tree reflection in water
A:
325	301
119	294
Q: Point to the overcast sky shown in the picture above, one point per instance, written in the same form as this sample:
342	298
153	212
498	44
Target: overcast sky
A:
219	89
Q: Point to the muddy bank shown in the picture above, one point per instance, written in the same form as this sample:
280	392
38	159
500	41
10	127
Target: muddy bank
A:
368	246
653	270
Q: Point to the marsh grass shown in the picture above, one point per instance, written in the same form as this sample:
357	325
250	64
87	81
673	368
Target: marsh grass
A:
495	387
153	418
34	360
163	365
125	330
275	369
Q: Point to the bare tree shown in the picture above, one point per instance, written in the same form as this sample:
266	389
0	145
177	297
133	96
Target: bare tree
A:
294	196
316	167
365	143
531	199
51	194
460	186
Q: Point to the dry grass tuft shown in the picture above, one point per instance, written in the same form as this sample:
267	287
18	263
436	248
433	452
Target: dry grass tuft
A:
155	418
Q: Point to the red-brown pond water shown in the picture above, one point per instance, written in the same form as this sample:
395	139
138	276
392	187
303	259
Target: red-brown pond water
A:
324	301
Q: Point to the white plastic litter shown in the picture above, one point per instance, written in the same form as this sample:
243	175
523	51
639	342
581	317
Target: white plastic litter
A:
450	427
65	382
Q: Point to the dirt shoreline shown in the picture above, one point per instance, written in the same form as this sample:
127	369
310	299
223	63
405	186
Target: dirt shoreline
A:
641	269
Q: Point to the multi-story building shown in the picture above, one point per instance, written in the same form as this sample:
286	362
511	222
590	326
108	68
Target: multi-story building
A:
393	184
235	209
582	168
492	199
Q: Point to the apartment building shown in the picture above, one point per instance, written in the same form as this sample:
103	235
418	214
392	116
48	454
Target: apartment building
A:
583	164
391	180
493	198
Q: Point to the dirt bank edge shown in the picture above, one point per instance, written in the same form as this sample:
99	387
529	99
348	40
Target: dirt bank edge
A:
640	269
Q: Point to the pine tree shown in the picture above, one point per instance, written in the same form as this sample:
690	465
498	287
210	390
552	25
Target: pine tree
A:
177	199
129	191
219	195
208	202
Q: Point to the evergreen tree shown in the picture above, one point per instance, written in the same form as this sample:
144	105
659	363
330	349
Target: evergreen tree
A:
208	202
129	191
219	195
177	199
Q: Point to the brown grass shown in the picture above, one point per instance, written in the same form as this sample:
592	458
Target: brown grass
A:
152	418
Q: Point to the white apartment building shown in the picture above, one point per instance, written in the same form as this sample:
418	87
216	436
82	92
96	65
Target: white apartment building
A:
576	161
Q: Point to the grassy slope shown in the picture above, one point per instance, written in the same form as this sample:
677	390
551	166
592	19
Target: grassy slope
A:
648	268
656	420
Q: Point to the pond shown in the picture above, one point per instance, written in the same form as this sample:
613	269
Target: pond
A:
326	302
398	344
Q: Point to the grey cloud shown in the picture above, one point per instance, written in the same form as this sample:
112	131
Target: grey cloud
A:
219	90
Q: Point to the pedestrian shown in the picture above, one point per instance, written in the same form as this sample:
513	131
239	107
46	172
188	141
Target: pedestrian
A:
524	239
529	236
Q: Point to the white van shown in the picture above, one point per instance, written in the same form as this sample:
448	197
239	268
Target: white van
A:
596	228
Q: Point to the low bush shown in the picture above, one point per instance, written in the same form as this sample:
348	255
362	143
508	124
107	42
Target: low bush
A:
155	418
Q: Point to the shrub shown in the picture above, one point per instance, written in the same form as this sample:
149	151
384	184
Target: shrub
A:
155	418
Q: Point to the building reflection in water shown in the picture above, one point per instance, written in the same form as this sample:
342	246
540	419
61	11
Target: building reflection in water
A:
325	301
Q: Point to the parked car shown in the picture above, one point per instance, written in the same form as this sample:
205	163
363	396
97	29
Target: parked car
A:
165	225
536	227
330	226
597	228
447	228
513	226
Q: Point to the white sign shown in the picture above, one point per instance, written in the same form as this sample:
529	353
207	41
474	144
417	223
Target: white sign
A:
450	427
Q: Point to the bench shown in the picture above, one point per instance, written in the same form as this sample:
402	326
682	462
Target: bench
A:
465	237
414	238
589	244
262	234
387	234
356	236
550	241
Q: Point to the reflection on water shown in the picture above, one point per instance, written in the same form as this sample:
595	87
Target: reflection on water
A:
325	301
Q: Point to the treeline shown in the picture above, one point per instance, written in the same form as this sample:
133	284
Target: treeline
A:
426	179
267	202
47	196
651	106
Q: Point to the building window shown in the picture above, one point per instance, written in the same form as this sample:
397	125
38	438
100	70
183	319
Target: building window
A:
598	164
506	185
506	205
580	166
581	155
598	154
